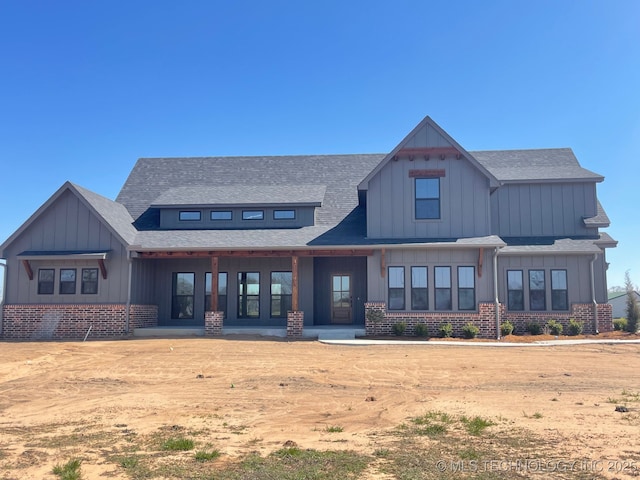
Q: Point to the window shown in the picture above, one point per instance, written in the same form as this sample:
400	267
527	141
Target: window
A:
183	294
427	198
559	292
248	295
466	288
46	278
222	292
443	288
396	288
67	281
537	290
419	294
281	289
284	214
189	216
253	214
89	281
515	290
221	215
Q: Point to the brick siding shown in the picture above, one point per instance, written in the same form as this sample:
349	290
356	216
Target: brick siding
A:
295	324
72	321
485	319
213	323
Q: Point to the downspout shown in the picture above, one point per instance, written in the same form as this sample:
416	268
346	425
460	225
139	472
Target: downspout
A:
127	314
593	294
4	294
495	291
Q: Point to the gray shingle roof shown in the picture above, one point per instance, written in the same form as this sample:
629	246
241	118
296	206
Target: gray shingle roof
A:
565	246
151	177
549	164
599	220
113	213
228	195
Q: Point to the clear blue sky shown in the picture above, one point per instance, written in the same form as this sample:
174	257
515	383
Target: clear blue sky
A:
87	87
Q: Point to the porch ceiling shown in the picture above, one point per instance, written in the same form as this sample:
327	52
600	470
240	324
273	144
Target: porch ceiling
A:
257	253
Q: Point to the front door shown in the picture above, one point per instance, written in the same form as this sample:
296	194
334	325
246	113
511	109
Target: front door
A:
341	311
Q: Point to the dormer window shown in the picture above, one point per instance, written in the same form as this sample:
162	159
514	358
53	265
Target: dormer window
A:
221	215
253	214
190	216
284	214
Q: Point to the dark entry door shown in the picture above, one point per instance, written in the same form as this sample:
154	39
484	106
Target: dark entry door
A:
341	308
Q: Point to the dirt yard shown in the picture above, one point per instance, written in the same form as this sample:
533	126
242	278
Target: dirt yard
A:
90	400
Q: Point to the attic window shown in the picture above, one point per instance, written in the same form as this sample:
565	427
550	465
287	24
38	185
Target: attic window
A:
190	216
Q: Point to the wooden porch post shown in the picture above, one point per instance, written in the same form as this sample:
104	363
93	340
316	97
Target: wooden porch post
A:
214	284
294	282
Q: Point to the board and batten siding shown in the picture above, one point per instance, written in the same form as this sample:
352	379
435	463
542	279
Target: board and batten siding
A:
551	209
578	275
67	225
464	201
430	258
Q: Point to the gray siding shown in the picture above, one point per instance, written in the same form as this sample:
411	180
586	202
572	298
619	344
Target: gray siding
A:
552	209
378	285
67	225
578	276
464	198
161	275
169	218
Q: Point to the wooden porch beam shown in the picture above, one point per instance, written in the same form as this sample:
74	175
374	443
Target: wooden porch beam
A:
480	261
214	283
27	268
383	263
352	252
294	283
103	268
427	152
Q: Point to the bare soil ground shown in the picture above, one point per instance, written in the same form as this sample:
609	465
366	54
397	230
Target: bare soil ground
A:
62	400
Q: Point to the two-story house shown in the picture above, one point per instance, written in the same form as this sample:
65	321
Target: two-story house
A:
429	233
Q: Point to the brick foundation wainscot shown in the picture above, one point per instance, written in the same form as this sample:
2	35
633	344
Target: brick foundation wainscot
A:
582	312
213	323
72	321
484	319
295	324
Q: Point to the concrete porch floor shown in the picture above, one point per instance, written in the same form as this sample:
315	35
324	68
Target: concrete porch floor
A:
321	332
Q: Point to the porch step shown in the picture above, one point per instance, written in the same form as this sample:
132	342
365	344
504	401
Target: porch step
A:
169	332
335	333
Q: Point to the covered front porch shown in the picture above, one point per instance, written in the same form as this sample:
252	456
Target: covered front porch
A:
276	292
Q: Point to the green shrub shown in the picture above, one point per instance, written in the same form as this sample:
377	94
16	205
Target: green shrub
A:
446	330
620	324
575	327
470	330
506	328
421	330
69	471
533	328
554	327
399	328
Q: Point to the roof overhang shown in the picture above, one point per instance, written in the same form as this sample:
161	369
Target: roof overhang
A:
63	255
